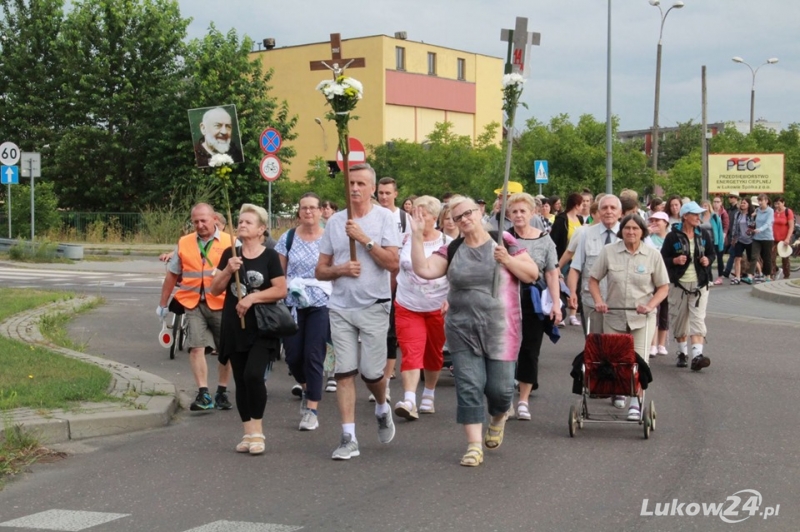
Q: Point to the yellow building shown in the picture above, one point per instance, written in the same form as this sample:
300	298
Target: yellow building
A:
408	87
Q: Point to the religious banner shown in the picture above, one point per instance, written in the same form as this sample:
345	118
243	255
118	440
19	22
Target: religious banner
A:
215	131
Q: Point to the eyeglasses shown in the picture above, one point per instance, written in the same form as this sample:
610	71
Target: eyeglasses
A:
309	208
466	213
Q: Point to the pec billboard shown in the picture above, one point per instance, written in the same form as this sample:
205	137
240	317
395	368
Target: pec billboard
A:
745	172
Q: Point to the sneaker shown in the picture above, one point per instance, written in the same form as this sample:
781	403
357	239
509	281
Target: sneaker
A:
371	398
633	413
221	401
385	427
561	324
347	448
203	401
699	362
653	350
662	350
718	281
619	401
297	390
681	360
746	280
330	387
406	410
523	414
309	421
574	320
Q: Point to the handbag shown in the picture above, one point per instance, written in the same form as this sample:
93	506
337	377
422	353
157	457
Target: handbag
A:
274	320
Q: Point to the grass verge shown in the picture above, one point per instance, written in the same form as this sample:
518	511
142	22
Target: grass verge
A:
34	377
19	450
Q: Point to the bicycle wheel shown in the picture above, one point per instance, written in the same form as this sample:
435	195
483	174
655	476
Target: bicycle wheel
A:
180	335
175	331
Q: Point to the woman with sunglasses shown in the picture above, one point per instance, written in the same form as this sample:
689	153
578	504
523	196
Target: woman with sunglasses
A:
483	332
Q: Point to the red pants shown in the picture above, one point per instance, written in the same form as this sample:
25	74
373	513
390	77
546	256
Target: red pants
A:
421	338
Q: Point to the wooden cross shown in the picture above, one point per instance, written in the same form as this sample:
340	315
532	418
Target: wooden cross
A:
519	42
337	64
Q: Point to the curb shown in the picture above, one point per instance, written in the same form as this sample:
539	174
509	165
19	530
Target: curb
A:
150	401
778	292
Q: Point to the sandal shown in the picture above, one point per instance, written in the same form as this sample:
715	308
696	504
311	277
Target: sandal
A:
426	405
718	281
473	456
494	435
523	414
257	447
244	445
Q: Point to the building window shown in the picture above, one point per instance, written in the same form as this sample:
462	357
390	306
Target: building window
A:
462	69
400	57
431	63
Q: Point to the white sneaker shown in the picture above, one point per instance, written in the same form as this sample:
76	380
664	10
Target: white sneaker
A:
653	350
633	413
619	401
662	350
309	421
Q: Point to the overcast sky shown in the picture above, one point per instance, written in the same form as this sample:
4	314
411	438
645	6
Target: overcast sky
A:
569	68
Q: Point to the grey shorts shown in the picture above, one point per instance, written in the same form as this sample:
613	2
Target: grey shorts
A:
203	326
368	357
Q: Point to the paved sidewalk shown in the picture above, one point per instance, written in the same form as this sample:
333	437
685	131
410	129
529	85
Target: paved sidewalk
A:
148	401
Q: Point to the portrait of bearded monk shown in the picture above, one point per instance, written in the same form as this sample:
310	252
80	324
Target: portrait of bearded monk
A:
216	136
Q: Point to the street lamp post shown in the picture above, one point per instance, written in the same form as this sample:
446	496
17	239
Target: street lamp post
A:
770	61
676	5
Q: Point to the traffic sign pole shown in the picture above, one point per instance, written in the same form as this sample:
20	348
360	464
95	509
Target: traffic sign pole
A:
8	199
30	169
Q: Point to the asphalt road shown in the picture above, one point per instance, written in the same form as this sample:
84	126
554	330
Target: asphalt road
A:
730	428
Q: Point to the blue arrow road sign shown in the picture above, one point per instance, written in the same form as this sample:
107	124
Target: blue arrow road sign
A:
9	175
541	172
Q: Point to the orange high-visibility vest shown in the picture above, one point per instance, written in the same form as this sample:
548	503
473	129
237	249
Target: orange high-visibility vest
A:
197	271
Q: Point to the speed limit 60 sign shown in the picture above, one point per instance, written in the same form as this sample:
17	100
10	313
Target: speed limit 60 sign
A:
9	154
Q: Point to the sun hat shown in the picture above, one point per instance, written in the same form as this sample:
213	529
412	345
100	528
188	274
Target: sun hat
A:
784	250
733	193
659	216
513	188
691	208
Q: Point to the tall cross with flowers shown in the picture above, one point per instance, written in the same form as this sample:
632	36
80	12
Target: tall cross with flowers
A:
518	40
342	94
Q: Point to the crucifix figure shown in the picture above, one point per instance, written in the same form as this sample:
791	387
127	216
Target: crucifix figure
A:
337	66
519	42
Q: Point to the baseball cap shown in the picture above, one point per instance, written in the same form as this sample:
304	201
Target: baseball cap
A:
513	188
691	208
480	201
659	216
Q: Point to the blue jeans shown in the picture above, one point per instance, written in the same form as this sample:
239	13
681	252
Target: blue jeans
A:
477	376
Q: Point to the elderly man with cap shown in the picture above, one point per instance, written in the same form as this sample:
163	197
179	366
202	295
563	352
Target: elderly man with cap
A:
494	222
688	254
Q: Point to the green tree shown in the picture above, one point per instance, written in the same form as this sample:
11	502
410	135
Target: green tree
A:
445	162
30	69
123	72
576	155
45	209
220	71
677	144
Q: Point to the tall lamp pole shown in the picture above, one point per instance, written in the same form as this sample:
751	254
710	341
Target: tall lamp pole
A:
609	139
770	61
676	5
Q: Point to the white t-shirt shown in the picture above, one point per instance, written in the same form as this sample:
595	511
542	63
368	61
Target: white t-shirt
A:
415	293
399	221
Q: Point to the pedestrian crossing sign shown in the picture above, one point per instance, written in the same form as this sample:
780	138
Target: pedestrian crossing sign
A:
541	172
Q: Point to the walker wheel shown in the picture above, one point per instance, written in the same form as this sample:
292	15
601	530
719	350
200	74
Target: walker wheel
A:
573	420
652	416
646	419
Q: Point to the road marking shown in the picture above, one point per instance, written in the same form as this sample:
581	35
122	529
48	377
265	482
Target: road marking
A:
243	526
68	520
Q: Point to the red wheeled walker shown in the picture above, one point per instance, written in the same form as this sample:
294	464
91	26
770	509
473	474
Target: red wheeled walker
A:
610	368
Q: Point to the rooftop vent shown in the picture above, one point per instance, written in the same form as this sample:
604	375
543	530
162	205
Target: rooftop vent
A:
269	43
400	35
